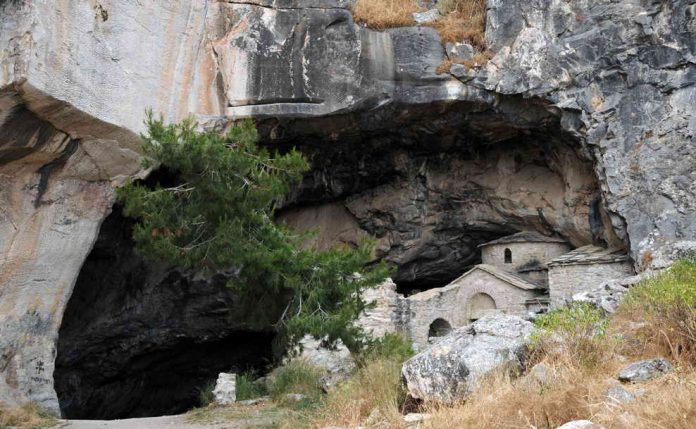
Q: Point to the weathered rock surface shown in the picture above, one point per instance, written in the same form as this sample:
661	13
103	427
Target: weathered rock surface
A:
336	360
644	370
617	394
449	370
581	125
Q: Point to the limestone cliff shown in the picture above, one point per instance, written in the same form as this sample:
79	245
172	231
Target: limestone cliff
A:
582	125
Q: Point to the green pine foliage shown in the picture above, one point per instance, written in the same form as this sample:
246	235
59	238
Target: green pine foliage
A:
219	218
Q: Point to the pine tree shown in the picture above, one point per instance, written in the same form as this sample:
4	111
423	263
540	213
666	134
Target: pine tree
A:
219	218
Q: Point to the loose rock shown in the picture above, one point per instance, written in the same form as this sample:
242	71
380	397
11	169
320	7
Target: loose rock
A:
448	370
427	16
644	370
459	51
225	389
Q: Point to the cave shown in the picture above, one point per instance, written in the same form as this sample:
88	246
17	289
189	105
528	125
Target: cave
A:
431	183
140	340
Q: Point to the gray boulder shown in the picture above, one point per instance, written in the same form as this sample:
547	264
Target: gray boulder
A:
426	17
617	394
336	361
459	51
644	370
449	370
225	389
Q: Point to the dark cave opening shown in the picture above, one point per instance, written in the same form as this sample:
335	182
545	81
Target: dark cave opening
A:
140	340
431	184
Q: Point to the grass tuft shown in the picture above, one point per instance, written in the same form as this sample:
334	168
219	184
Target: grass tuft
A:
248	388
576	332
382	14
666	306
27	416
296	377
462	21
392	347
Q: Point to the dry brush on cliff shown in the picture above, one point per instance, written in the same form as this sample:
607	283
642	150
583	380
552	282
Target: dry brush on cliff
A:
459	21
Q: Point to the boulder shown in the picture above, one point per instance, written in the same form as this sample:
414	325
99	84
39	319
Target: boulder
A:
449	370
225	389
427	16
415	420
644	370
335	360
459	51
617	394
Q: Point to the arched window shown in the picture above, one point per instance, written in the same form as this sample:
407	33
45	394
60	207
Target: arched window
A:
439	328
508	256
480	305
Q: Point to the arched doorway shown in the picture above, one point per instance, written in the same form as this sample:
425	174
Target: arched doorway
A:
480	305
439	328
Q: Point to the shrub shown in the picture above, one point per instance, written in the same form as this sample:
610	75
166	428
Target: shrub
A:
296	377
575	332
392	347
666	303
29	415
206	395
248	388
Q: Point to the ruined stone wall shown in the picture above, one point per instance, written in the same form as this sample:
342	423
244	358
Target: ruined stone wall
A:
567	280
522	254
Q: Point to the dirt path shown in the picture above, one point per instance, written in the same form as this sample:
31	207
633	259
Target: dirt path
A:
256	417
164	422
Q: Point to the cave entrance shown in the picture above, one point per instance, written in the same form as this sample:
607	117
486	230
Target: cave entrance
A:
140	340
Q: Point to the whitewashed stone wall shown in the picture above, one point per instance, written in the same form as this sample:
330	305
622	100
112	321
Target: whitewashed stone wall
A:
522	253
567	280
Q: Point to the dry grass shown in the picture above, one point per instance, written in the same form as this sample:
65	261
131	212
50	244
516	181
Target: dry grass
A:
371	398
381	14
574	394
662	312
29	415
463	20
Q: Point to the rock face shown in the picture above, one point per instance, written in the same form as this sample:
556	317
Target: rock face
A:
581	125
449	370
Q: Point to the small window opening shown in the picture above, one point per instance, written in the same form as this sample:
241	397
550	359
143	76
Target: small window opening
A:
508	256
439	328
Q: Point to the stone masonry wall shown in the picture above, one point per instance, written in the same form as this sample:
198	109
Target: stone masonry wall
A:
567	280
522	253
451	303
